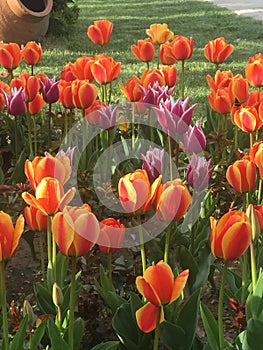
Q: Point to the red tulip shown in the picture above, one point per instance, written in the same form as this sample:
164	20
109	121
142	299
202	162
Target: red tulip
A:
32	53
230	235
182	47
9	235
144	50
10	56
35	219
254	70
159	33
172	200
160	288
100	32
217	50
242	175
111	235
75	230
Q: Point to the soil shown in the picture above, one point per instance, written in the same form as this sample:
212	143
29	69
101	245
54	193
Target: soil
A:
22	272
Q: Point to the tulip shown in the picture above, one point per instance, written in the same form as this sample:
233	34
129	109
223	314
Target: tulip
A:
222	80
155	93
144	50
247	118
16	101
153	162
10	56
182	47
166	54
69	153
132	90
111	235
3	87
100	32
230	235
150	76
254	214
194	139
66	94
170	75
172	200
81	68
175	116
75	231
49	196
256	155
40	167
50	90
84	94
259	213
36	105
242	175
239	88
255	98
217	50
159	33
135	192
67	73
29	83
254	70
160	288
9	235
32	53
221	101
105	117
198	173
35	219
104	69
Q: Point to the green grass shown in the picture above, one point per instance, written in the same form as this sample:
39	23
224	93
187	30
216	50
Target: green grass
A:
200	19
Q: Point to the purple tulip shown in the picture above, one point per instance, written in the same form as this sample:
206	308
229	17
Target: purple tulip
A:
153	162
198	173
175	116
16	102
155	94
50	90
194	139
105	117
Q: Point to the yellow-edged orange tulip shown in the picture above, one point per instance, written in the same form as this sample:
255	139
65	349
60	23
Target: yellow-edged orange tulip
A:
247	118
132	90
254	70
170	75
6	88
217	50
66	94
160	288
239	88
256	155
230	235
104	69
75	230
84	93
150	76
36	105
81	68
222	80
242	175
100	32
35	219
166	54
159	33
221	100
144	50
32	53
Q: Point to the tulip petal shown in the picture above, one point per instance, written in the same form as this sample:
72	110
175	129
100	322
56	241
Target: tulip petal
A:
236	241
19	228
179	285
147	291
146	317
63	231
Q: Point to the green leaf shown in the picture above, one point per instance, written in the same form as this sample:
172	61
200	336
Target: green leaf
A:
18	341
210	326
18	174
254	308
254	335
171	335
62	268
44	299
187	261
57	342
110	345
79	328
38	335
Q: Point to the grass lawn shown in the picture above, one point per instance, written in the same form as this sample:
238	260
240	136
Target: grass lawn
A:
200	19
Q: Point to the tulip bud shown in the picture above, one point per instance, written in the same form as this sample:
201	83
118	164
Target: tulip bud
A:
28	311
57	295
251	213
194	139
242	175
198	173
153	162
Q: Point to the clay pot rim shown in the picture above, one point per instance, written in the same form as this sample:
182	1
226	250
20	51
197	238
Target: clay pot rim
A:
18	7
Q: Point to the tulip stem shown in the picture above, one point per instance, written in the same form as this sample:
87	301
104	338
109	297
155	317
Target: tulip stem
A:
170	156
167	243
182	80
29	135
253	266
157	329
244	276
72	303
220	308
54	258
35	134
4	307
110	266
143	255
41	244
49	125
259	191
132	126
49	247
16	137
251	139
104	87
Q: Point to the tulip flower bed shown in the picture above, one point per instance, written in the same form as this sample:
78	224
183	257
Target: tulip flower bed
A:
136	207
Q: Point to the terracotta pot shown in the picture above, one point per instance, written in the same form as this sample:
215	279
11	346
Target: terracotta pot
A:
24	20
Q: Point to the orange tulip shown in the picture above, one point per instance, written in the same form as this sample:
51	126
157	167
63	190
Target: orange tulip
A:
150	76
100	32
221	100
170	75
30	83
256	155
166	54
182	47
247	118
144	50
84	93
81	68
32	53
10	56
36	105
67	73
132	90
242	175
160	288
66	94
135	192
172	200
159	33
6	88
259	213
254	70
255	98
239	88
40	167
35	219
217	50
231	235
222	80
75	230
49	196
111	235
104	69
9	235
